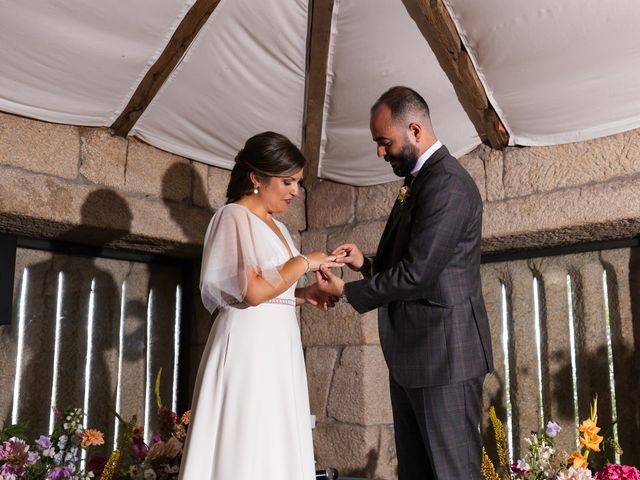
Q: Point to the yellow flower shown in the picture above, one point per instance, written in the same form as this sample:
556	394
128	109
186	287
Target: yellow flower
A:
111	468
576	460
91	437
488	470
501	438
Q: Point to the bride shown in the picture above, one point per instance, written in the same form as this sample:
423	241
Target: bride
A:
250	406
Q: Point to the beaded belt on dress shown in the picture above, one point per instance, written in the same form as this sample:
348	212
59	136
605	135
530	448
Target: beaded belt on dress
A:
291	302
283	301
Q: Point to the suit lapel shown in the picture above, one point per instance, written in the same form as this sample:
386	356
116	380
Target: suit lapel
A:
396	211
394	218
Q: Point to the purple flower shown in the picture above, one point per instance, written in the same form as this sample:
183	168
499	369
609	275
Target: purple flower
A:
553	429
15	455
43	442
155	438
59	472
96	464
520	468
140	449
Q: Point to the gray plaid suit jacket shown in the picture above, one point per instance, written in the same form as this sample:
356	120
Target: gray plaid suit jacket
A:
426	281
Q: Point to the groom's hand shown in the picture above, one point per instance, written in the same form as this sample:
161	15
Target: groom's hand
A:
328	282
316	297
349	254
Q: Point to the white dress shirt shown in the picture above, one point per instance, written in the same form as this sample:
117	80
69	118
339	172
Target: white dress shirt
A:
425	156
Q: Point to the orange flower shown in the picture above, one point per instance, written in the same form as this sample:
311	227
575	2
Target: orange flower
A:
92	437
576	460
592	442
138	432
589	426
590	439
186	417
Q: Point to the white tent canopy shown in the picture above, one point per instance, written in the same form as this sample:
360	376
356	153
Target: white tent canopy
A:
555	72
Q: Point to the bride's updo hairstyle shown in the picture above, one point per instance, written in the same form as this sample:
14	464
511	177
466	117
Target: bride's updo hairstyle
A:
267	155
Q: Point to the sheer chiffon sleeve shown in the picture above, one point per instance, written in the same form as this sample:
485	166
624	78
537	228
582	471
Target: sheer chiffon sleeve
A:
232	250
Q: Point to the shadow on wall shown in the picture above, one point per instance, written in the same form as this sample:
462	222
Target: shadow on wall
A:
105	218
80	295
173	181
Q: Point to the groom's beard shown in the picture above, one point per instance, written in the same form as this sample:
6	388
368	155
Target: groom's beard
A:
405	161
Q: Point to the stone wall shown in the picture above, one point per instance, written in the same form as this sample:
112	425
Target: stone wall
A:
533	197
83	185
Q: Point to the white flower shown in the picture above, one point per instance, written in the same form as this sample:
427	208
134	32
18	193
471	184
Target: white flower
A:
149	474
575	474
523	465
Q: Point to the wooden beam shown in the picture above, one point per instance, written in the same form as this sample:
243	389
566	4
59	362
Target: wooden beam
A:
189	27
437	27
319	37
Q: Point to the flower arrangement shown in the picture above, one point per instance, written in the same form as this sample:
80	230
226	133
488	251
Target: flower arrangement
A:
160	460
543	460
50	456
58	456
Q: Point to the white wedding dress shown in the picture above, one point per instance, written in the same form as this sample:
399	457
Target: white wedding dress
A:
250	410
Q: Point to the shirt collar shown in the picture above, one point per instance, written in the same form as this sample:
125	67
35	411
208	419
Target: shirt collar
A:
425	156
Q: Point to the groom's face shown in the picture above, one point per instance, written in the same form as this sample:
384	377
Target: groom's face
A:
393	142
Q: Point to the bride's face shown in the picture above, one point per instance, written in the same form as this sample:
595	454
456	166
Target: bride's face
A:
278	192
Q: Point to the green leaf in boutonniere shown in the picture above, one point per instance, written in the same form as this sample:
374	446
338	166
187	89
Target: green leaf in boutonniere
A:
403	195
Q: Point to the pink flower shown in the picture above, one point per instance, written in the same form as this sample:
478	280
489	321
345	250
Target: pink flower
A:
170	449
15	455
59	472
615	471
403	194
572	473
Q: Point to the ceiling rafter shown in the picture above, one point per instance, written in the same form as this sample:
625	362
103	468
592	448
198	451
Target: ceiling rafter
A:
319	38
189	27
437	27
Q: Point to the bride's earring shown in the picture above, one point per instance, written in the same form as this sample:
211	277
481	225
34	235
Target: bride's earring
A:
255	189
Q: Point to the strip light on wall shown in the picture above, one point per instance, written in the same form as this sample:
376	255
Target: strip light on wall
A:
56	350
20	348
123	297
507	374
149	384
176	345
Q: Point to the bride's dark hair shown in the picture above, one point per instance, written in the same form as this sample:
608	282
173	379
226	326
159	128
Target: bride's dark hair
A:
267	155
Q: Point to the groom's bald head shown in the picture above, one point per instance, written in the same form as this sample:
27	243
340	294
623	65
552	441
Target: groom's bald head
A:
405	104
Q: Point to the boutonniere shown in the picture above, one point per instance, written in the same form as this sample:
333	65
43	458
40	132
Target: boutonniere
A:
403	194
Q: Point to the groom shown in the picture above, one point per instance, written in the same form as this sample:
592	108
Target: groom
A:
425	282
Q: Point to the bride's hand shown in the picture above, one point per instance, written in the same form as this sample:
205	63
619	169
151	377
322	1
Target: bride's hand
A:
321	258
